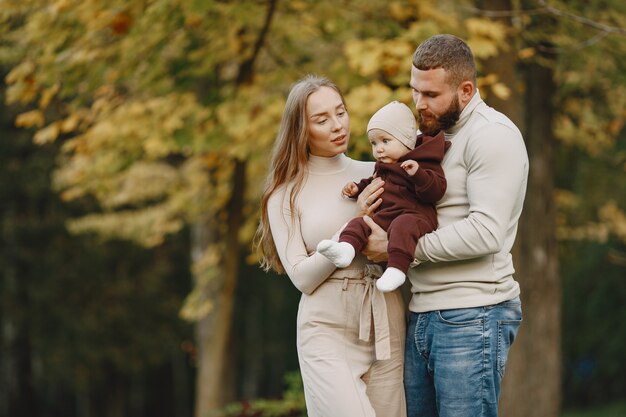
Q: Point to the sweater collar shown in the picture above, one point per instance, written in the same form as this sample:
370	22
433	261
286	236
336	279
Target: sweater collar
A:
327	165
465	115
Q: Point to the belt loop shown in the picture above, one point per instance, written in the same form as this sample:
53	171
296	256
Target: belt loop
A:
345	284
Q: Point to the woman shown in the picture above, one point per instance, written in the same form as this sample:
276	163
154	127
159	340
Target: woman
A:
350	336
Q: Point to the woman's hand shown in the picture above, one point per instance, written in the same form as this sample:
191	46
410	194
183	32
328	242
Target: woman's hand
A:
376	248
369	199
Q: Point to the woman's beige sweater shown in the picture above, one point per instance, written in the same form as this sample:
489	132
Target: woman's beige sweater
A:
320	214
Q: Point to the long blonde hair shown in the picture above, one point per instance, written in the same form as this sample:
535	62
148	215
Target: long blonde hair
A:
288	163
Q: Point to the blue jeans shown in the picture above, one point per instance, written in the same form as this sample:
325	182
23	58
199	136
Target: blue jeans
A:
455	359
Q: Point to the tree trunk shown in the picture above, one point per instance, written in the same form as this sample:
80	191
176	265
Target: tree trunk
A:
181	385
215	382
17	390
504	66
533	381
213	332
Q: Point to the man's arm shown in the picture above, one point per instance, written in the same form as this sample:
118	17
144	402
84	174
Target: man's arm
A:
497	166
376	248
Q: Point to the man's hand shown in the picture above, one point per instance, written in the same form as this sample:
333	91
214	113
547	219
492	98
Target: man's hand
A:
376	248
369	199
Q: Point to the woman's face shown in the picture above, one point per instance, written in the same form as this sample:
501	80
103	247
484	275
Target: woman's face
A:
328	123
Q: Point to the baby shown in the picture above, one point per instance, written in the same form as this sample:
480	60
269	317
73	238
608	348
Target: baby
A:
410	165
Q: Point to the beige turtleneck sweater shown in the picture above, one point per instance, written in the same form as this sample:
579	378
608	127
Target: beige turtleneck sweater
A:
321	212
467	261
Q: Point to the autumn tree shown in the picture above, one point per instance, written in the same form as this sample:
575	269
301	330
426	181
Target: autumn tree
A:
142	99
166	110
587	43
88	325
549	42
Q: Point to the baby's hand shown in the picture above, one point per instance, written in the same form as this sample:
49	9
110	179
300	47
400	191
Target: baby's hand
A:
349	190
410	166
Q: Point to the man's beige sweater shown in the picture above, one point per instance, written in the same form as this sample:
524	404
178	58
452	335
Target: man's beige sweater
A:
467	261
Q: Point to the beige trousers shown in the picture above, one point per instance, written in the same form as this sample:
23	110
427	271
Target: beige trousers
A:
351	347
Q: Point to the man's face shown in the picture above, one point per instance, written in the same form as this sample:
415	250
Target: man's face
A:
437	103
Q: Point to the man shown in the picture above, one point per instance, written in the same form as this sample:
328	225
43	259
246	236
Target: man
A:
465	308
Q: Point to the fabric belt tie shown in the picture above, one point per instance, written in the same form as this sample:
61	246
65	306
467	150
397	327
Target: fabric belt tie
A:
373	310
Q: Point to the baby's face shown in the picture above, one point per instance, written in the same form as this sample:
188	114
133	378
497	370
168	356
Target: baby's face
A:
385	147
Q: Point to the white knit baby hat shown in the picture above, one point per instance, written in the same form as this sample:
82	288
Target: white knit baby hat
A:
398	120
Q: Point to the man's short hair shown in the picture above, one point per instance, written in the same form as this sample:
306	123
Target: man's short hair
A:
447	52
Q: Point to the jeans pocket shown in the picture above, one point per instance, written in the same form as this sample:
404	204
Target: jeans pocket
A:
461	316
507	330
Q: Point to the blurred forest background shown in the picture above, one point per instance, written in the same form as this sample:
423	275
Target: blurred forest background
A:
134	142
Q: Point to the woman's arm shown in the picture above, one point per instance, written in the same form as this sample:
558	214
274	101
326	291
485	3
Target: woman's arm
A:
306	271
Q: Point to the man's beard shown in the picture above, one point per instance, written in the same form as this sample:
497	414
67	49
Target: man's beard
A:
443	122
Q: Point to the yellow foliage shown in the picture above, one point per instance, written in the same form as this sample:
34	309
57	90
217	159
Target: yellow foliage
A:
391	58
596	232
203	262
249	121
490	83
197	304
142	182
151	98
363	102
47	94
483	47
526	53
140	126
611	220
298	5
487	29
615	217
60	6
431	11
247	231
485	37
580	125
30	119
566	200
20	72
146	227
400	11
48	134
365	56
70	123
500	90
23	92
157	146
